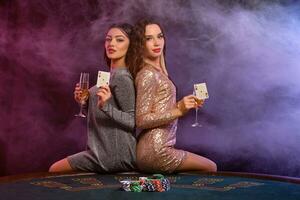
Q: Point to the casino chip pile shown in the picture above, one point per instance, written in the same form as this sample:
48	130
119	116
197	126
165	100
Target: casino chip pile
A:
155	183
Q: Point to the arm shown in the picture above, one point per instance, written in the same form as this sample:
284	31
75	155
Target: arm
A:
146	85
124	94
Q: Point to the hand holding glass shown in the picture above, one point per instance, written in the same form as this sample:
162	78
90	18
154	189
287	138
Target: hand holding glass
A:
84	86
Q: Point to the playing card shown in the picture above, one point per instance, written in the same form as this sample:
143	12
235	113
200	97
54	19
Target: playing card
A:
201	91
103	78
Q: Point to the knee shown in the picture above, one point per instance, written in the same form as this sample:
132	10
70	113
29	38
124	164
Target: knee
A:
52	168
56	167
212	167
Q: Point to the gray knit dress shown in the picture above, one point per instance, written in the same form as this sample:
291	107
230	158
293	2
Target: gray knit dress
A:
111	145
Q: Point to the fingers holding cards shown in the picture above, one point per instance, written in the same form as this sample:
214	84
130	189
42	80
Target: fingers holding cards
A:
198	103
103	94
189	101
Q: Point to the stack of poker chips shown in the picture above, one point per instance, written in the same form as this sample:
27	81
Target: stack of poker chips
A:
155	183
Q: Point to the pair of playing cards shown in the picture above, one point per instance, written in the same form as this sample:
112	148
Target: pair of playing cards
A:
103	78
200	88
201	91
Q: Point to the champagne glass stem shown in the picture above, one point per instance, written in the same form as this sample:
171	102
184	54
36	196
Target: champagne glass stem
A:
196	119
196	124
80	112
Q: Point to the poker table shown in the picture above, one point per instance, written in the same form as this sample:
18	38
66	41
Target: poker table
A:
200	186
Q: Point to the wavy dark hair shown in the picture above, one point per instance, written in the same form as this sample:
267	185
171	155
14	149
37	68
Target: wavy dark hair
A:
127	29
135	61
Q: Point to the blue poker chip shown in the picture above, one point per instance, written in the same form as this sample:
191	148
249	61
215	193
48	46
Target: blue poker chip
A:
165	184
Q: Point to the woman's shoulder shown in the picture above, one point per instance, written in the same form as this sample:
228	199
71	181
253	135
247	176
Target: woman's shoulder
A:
147	72
122	74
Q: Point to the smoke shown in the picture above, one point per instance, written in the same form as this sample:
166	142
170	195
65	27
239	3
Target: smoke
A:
43	53
44	47
251	119
247	53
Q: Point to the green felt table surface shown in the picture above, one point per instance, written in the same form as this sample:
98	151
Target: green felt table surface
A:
90	186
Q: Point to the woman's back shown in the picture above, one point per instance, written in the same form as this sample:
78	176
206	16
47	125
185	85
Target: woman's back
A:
156	96
111	141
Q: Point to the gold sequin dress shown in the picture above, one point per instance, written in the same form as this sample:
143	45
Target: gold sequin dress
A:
156	97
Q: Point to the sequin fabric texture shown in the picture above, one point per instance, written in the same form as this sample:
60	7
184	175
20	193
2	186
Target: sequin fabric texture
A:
156	97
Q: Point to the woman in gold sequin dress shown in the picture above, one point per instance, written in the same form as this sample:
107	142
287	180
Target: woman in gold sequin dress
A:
156	108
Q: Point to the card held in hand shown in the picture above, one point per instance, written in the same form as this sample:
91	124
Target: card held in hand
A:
103	78
201	91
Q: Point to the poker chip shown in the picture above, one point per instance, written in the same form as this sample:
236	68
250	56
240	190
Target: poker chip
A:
165	184
149	187
155	183
135	186
126	185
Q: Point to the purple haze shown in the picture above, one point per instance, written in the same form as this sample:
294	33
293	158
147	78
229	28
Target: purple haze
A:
248	57
251	119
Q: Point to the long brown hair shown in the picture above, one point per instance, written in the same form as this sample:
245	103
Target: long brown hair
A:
135	61
127	29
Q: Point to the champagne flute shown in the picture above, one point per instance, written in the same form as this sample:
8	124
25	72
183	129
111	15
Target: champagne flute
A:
196	123
84	86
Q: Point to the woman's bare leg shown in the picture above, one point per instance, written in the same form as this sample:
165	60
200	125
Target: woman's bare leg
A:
61	166
194	162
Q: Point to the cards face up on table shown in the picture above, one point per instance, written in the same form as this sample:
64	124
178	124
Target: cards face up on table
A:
201	91
103	78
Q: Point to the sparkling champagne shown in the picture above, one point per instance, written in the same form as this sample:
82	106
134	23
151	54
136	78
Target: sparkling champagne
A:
84	95
84	86
199	101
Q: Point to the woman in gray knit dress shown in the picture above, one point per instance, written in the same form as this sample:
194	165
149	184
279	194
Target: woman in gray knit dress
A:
111	115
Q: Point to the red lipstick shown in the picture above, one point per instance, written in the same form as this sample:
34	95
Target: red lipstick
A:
111	51
156	50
